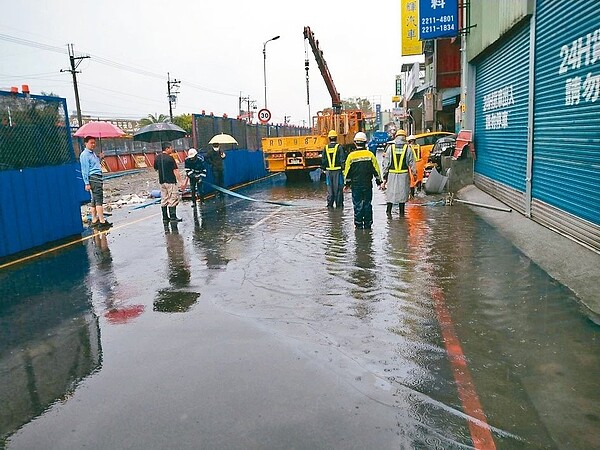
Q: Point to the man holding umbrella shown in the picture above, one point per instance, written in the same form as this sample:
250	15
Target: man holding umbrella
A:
168	177
91	172
215	159
91	168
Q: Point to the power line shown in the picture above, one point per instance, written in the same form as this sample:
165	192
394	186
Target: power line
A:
110	63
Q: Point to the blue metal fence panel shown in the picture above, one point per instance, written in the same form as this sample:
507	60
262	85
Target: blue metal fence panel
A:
566	162
501	105
40	205
241	166
40	179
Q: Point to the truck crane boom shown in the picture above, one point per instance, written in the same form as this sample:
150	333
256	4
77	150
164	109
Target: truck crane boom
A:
336	100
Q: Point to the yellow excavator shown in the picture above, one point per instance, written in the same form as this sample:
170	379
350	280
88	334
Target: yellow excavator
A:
302	154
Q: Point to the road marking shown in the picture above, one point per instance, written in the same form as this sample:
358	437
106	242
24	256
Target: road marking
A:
264	219
70	243
85	238
479	428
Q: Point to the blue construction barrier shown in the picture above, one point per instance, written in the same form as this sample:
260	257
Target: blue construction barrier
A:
241	166
40	178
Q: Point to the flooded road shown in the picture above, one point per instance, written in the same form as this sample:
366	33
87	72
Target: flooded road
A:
251	325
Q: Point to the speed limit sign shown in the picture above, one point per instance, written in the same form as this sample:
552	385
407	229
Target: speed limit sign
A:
264	115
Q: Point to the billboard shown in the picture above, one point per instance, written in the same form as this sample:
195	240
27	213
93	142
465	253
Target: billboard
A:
438	19
409	18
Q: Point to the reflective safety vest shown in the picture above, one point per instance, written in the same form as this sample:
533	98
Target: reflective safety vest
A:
398	159
417	151
331	153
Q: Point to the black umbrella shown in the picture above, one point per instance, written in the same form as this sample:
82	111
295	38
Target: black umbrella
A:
159	132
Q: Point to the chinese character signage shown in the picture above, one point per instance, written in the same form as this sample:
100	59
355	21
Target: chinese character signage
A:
438	18
576	56
496	106
409	17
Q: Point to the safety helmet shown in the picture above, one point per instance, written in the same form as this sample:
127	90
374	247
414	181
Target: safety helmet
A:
411	137
360	137
332	134
192	152
400	133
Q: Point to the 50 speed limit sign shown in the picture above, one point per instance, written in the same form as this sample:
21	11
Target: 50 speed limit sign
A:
264	115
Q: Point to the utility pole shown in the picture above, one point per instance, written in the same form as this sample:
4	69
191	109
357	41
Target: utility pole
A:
75	61
250	104
172	91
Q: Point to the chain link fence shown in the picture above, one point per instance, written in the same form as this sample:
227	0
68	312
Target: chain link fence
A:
34	131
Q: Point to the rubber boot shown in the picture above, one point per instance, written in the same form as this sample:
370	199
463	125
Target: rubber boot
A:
388	209
173	214
164	213
402	208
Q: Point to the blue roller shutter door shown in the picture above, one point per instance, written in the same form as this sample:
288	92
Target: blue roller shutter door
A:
501	106
566	151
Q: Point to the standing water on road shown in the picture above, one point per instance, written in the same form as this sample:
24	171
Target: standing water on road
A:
251	325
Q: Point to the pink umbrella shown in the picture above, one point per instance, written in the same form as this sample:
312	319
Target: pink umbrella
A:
99	129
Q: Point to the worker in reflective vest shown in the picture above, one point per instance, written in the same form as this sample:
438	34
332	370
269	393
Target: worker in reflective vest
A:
419	164
398	166
332	162
361	168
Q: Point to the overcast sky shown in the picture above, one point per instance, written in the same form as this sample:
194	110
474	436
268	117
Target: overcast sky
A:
214	48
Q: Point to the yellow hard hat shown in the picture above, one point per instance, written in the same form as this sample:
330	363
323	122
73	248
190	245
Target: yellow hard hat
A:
400	133
332	134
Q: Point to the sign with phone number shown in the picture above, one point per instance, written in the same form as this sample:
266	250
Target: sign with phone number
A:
438	18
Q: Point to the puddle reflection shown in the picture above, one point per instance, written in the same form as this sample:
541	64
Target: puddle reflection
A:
173	299
49	336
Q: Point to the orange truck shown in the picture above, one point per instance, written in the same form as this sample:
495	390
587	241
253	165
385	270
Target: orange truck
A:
302	154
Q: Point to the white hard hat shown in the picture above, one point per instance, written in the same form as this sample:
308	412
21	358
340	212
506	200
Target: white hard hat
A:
411	137
192	152
360	137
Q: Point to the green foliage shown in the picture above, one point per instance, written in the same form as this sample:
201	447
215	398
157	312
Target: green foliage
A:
32	133
184	121
357	103
156	118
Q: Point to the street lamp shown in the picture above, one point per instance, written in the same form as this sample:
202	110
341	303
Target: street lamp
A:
265	64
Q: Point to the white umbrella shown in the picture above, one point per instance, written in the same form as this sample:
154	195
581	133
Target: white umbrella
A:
223	139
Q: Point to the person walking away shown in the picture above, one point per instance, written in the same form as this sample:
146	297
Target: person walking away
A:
332	162
196	171
396	165
91	172
215	159
361	167
168	177
416	182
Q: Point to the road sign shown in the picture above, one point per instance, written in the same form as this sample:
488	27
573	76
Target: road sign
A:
264	115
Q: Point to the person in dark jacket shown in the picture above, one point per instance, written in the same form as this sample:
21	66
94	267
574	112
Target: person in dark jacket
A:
361	167
332	162
196	171
168	177
215	158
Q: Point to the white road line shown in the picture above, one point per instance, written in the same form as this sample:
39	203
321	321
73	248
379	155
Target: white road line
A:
263	220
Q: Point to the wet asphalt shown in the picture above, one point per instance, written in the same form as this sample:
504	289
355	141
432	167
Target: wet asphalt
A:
252	325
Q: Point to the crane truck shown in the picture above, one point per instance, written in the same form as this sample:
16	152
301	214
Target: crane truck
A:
302	154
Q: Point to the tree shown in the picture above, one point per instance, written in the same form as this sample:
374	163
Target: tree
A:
358	103
156	118
184	121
